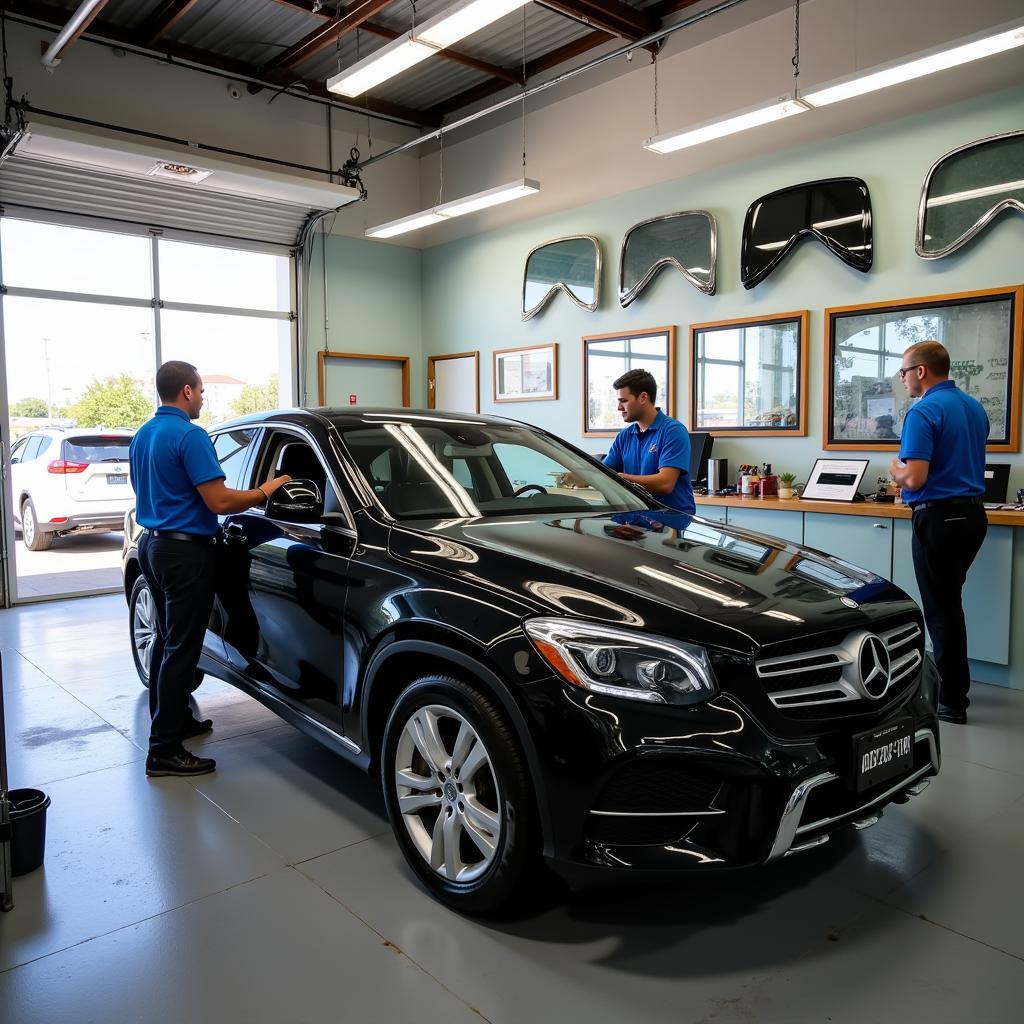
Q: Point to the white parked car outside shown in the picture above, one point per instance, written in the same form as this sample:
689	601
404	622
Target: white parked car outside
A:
70	480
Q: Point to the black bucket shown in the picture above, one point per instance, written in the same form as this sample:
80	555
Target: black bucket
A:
28	829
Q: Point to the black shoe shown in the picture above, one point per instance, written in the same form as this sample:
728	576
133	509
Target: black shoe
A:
193	728
957	716
182	763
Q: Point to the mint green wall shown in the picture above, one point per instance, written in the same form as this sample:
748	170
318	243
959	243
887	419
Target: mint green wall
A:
374	306
471	288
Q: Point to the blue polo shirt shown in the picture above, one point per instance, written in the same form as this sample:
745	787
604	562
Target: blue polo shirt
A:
169	456
665	442
948	429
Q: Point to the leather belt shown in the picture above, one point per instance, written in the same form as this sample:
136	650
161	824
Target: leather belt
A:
975	500
191	538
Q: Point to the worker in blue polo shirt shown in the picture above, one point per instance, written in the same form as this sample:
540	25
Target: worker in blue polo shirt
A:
179	492
654	449
941	471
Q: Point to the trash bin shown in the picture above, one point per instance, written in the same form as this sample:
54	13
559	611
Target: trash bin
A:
28	828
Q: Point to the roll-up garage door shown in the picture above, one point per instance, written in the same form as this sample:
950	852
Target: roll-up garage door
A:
62	171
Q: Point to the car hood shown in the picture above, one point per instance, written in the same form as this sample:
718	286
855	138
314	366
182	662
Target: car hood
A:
660	571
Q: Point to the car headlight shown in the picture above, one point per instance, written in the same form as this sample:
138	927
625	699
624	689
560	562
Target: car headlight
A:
623	663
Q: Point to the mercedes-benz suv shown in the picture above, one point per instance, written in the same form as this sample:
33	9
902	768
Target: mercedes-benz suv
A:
541	662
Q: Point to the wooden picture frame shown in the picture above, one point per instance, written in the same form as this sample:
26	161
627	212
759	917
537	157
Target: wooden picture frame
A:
432	362
528	373
595	419
984	332
321	371
790	423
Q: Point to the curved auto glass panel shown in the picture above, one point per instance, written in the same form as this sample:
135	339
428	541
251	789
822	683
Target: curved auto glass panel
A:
455	470
686	241
836	211
571	265
966	189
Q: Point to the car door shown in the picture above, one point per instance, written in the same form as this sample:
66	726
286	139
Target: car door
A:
287	583
23	470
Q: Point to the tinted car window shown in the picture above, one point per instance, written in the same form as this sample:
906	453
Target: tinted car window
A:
96	449
31	449
232	447
465	469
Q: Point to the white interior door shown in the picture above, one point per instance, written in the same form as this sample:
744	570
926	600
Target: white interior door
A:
453	382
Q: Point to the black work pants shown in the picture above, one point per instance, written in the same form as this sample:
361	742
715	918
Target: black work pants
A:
947	539
180	577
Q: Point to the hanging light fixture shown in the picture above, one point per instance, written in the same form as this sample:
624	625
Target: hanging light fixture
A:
983	44
461	19
518	189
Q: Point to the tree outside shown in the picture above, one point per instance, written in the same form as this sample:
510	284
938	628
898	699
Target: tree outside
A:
111	402
256	398
30	407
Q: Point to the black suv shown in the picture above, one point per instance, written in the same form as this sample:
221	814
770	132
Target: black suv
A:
538	658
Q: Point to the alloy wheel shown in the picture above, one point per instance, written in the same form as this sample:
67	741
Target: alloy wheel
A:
144	629
28	525
447	793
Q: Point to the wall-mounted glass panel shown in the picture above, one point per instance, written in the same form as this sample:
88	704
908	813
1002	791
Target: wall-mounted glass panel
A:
966	189
606	357
571	265
749	376
867	404
686	241
835	211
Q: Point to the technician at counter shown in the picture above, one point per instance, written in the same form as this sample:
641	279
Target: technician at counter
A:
941	469
654	450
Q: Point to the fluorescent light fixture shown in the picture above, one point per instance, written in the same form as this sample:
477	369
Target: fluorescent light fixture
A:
976	193
462	18
397	56
917	67
457	208
492	197
413	222
753	118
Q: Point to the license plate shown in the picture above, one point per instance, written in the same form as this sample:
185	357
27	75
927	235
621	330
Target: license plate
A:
117	479
884	753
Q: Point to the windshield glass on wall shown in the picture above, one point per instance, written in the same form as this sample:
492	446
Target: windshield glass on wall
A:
458	469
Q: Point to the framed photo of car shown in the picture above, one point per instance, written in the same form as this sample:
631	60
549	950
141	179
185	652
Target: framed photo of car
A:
866	402
748	377
526	374
606	357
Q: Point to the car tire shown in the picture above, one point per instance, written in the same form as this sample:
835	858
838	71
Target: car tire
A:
34	538
462	764
142	631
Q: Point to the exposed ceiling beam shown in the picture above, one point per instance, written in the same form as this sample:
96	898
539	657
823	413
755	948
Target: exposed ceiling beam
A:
111	33
538	66
327	13
667	7
347	19
65	19
165	18
611	16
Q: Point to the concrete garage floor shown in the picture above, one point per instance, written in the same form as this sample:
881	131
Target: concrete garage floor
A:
86	562
272	890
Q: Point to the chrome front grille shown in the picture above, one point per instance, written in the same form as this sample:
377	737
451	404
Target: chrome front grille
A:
831	679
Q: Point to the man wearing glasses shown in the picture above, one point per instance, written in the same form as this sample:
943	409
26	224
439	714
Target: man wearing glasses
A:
941	470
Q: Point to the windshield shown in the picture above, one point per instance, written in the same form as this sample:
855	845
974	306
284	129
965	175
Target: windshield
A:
460	469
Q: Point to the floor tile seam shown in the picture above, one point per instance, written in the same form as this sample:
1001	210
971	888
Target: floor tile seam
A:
279	724
29	661
993	768
386	941
106	721
346	846
955	931
92	771
141	920
195	783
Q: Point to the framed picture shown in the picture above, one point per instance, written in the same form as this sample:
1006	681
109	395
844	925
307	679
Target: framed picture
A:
527	374
866	402
606	357
748	377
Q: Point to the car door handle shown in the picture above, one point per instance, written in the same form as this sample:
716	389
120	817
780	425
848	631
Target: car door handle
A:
234	534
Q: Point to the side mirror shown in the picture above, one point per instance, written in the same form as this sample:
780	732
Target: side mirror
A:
298	501
15	459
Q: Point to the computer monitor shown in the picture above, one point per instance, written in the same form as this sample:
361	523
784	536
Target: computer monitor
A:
700	452
997	482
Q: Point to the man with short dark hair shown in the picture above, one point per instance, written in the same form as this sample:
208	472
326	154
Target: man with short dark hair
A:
941	470
654	450
179	492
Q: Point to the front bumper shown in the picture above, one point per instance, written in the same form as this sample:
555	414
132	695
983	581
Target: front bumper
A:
633	788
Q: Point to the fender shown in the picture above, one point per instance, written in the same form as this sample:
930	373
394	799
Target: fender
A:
496	688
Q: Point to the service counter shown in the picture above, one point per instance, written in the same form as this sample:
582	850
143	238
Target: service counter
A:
877	536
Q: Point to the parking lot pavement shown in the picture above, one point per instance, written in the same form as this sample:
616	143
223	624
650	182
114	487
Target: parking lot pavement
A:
79	564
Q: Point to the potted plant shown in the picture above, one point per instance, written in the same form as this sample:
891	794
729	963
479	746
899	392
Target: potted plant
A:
786	489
